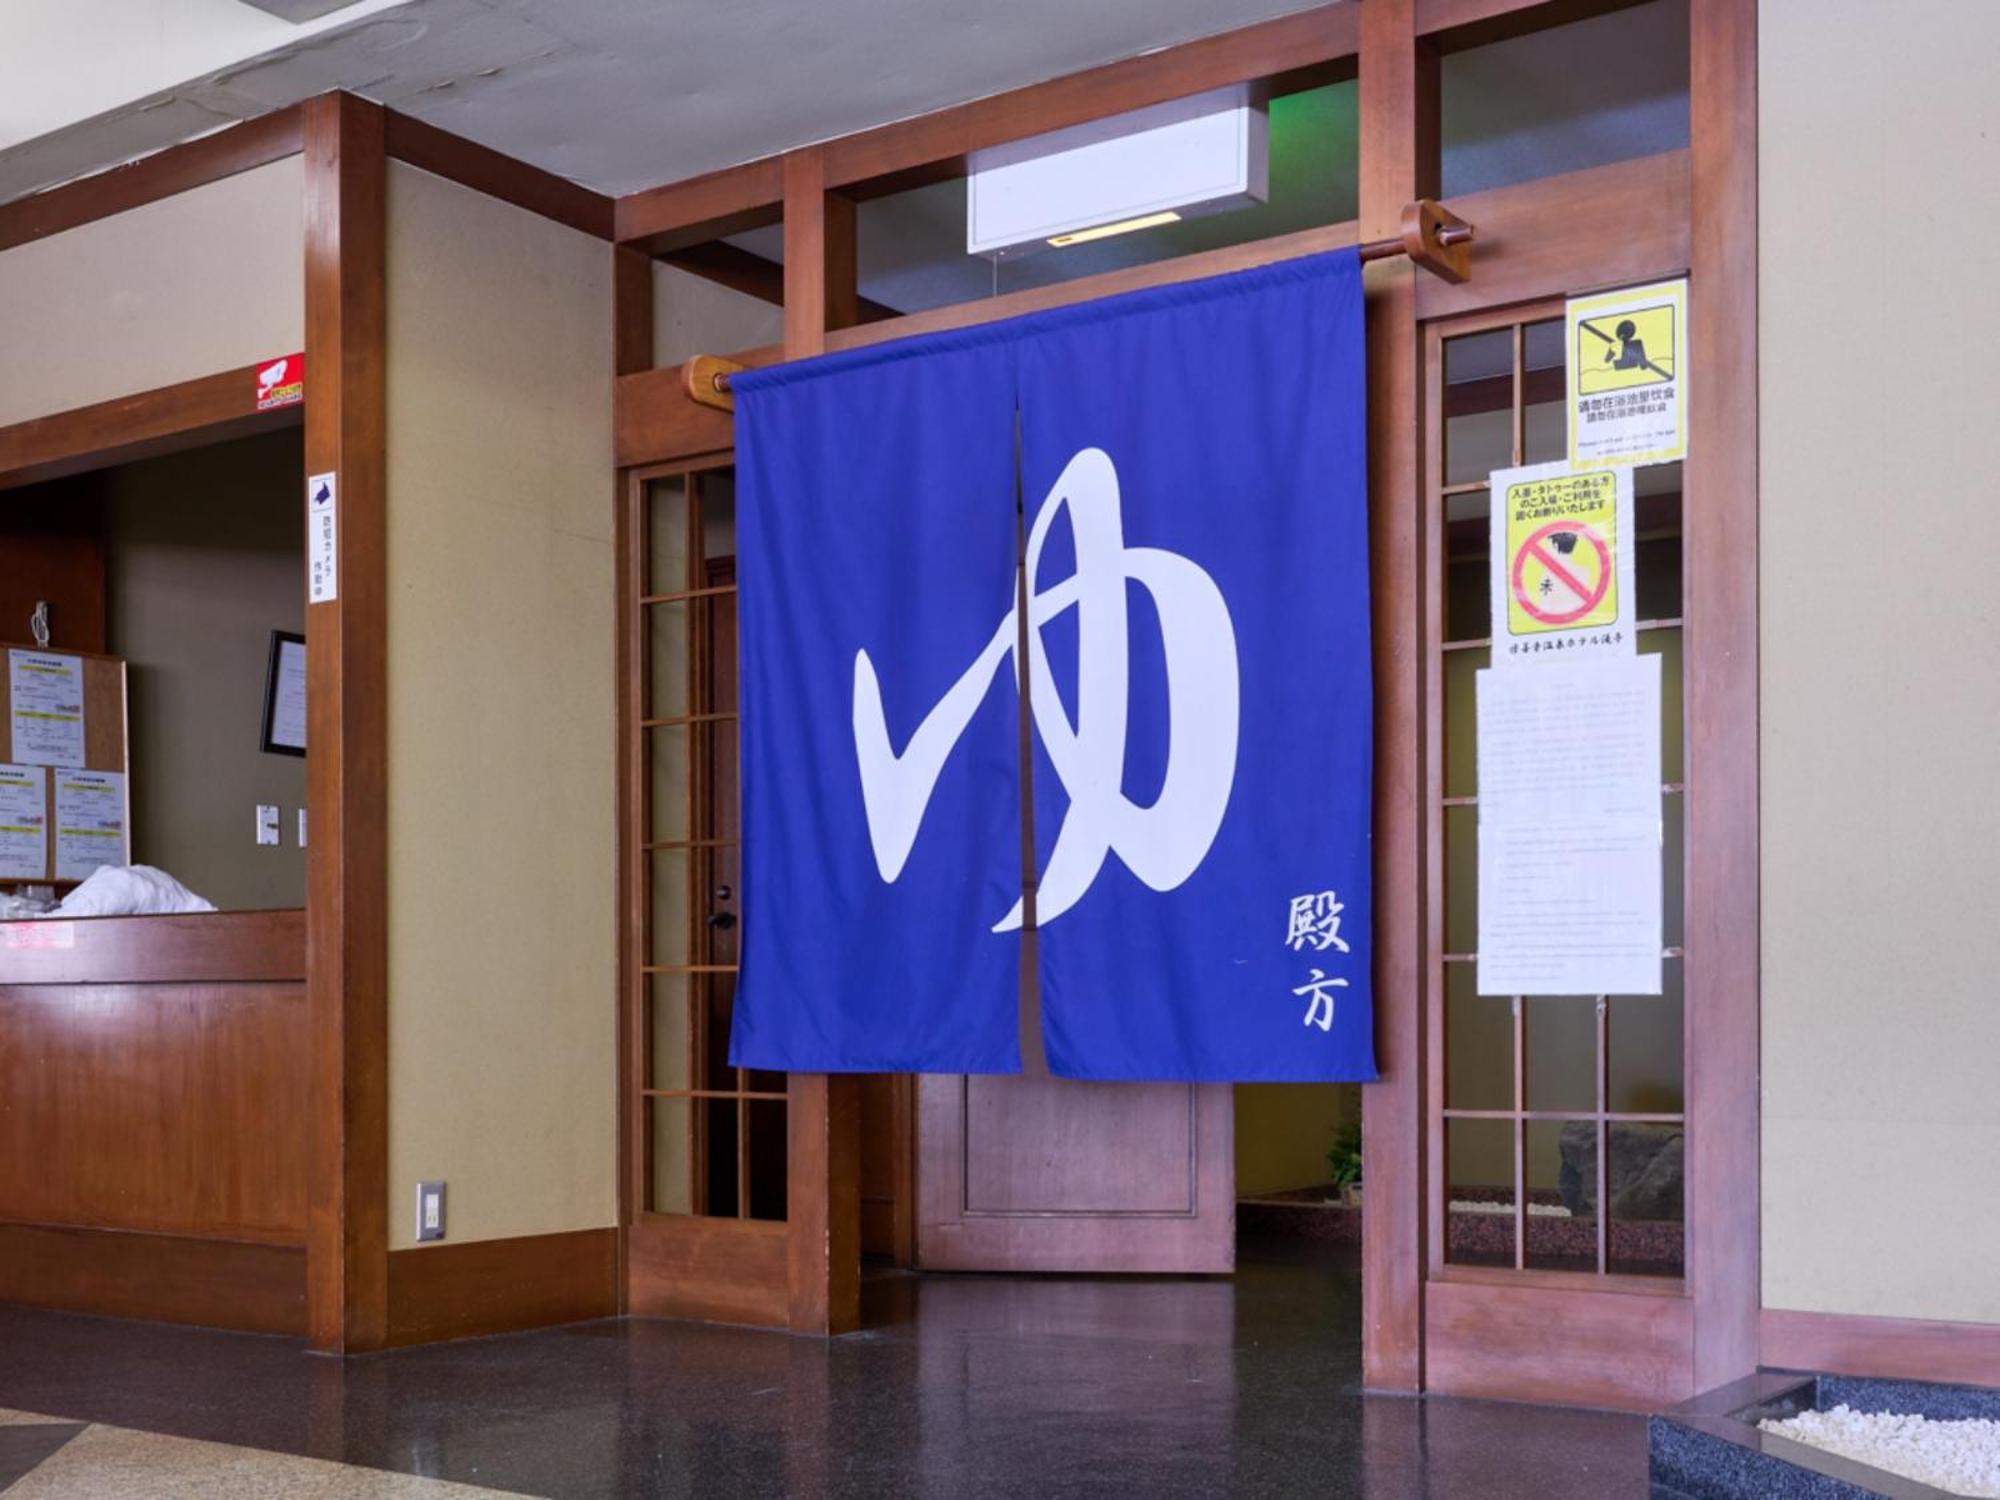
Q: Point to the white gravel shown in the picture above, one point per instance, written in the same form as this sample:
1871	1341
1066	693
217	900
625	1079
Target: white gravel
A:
1962	1457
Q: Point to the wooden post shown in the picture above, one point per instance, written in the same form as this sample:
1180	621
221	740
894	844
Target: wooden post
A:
823	1170
347	1228
1399	151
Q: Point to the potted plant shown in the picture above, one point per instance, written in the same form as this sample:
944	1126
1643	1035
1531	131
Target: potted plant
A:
1343	1162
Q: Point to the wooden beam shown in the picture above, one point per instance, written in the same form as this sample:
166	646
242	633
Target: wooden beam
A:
823	1112
708	207
1627	222
238	148
945	137
188	414
1722	1014
346	713
485	170
1886	1348
1456	25
1398	164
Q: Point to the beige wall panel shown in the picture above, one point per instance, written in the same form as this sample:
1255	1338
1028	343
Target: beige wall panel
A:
502	855
1880	130
693	315
205	557
203	281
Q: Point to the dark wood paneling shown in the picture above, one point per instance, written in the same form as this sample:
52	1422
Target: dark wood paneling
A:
449	1291
1891	1348
346	716
112	1273
1609	226
174	170
727	1270
52	549
1398	108
255	947
174	1107
1722	1020
1573	1347
168	419
485	170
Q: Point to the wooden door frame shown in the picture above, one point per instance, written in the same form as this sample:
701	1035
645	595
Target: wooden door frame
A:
1702	203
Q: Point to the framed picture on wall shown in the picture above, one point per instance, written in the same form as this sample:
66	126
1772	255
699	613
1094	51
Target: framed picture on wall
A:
284	731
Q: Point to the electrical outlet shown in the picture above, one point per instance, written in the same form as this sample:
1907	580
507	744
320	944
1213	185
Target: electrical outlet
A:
267	823
430	1211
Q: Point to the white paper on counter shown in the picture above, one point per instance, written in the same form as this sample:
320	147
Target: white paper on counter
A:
90	822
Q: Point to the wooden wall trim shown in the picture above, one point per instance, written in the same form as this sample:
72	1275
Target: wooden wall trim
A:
1628	222
238	148
481	168
1723	1013
1398	136
1578	1348
168	1278
721	1270
145	424
457	1291
222	947
346	713
1890	1348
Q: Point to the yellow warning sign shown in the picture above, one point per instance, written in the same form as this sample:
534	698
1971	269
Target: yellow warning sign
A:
1628	376
1562	552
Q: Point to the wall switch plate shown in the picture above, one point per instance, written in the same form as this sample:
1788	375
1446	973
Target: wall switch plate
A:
302	828
267	823
430	1211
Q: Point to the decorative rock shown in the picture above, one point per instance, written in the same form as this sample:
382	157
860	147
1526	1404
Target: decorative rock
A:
1647	1168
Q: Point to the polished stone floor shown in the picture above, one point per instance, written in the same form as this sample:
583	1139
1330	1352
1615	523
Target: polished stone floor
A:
961	1386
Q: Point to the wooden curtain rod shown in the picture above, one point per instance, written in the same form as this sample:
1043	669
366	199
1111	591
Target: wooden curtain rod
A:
1433	236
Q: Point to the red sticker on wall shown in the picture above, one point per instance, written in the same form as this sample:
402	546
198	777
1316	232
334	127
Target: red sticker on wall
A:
282	382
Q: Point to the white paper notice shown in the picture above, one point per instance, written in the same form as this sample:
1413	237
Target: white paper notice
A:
288	698
322	540
24	823
1569	829
90	822
47	701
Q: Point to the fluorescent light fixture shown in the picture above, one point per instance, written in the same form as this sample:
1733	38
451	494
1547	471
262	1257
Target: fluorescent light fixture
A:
1123	226
1205	154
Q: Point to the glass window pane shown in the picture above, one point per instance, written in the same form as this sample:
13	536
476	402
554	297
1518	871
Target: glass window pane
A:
1666	644
1673	835
1545	417
1647	1189
1646	1046
669	1037
1461	879
1479	1044
1479	1171
670	1182
1562	1052
766	1164
1478	405
669	766
1656	499
667	536
720	1131
1562	1234
670	937
1461	719
667	646
1605	89
717	488
1468	575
